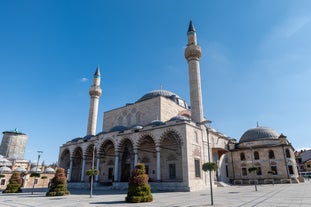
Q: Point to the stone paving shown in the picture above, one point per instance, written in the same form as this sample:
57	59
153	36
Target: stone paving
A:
281	195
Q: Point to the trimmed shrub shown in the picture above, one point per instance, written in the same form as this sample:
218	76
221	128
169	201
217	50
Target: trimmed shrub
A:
209	166
139	189
58	185
15	184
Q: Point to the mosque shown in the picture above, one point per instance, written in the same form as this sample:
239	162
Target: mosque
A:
173	140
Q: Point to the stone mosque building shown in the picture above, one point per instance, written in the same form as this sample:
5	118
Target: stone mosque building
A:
173	140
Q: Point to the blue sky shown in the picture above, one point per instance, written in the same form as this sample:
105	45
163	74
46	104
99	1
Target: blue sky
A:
255	65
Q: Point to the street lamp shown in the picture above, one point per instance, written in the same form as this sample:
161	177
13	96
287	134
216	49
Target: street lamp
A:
34	179
209	158
94	172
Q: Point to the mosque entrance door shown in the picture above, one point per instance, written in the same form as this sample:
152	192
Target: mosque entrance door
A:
126	166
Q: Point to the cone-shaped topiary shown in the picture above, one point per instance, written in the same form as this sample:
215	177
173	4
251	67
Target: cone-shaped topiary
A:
138	187
58	186
15	184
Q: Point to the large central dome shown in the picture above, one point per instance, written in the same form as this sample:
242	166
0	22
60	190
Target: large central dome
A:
259	133
164	93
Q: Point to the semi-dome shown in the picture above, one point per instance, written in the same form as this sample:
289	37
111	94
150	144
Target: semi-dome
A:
259	133
164	93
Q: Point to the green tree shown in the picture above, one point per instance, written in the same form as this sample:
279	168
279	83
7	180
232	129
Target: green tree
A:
15	183
138	187
58	185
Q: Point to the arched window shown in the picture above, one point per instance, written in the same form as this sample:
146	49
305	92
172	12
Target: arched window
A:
287	152
242	156
271	154
256	155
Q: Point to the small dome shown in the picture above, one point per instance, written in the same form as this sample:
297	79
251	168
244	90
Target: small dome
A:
20	169
179	118
137	127
5	169
259	133
49	170
76	139
35	169
156	123
118	128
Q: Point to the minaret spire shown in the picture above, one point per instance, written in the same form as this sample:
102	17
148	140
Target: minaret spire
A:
193	55
191	27
95	92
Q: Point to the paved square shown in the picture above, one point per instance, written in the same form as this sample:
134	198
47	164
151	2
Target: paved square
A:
281	195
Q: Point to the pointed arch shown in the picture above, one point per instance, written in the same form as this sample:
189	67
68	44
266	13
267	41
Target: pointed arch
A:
77	157
146	149
106	158
65	159
171	156
126	151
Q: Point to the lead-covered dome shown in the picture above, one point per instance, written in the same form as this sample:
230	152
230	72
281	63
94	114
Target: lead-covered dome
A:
156	93
259	133
164	93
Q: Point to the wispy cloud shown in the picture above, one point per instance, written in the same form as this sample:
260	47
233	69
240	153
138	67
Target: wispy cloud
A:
83	80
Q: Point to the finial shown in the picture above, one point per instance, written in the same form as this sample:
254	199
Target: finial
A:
161	87
257	124
191	27
97	72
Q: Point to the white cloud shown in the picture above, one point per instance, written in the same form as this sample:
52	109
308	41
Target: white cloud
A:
84	80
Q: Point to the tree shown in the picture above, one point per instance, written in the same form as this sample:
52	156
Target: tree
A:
15	183
58	186
210	166
138	187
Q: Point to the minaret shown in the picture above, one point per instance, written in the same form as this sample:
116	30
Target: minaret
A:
193	55
95	92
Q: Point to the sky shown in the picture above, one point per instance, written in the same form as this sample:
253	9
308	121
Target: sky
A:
255	65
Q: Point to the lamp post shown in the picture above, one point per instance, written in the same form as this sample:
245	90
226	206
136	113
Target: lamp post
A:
209	158
39	154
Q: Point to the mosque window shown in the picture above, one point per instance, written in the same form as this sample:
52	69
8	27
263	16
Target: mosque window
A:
172	171
242	156
196	140
259	171
244	171
197	168
271	154
287	152
2	181
256	155
290	169
274	169
110	173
